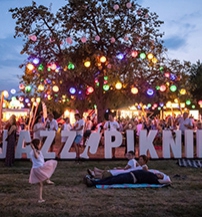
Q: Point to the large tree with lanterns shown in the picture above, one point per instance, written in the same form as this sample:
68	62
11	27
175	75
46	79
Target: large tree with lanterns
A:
95	51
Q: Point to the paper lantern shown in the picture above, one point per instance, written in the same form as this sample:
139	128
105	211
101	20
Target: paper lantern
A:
142	55
134	90
150	92
72	90
40	87
38	100
83	39
120	56
154	60
13	91
21	86
162	88
106	87
28	88
118	85
40	68
53	66
33	37
183	91
188	102
87	64
134	53
30	66
112	40
97	38
200	102
27	100
5	93
116	7
103	59
69	40
150	56
167	74
55	88
70	66
173	88
90	89
128	5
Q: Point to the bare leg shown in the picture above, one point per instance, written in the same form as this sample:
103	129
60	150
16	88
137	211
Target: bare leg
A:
77	150
60	149
40	191
98	170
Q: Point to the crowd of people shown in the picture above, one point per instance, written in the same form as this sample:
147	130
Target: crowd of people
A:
84	127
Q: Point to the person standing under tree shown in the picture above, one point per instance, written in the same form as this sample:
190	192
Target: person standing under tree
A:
11	142
78	127
112	125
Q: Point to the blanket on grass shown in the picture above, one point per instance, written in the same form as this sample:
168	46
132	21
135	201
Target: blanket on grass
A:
189	163
131	186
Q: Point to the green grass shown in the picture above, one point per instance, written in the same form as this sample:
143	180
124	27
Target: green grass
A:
70	197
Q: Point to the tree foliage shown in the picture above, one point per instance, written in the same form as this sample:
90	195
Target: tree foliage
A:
87	30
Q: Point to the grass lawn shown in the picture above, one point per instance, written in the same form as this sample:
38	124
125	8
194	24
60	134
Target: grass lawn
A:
70	197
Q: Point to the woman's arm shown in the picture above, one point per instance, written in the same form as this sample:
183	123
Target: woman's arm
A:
36	154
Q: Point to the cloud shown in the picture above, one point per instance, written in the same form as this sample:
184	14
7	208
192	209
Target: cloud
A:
174	42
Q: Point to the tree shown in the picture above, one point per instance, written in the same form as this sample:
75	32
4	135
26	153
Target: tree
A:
195	80
116	40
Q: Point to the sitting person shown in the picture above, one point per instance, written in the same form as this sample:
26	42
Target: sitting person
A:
131	165
132	177
143	159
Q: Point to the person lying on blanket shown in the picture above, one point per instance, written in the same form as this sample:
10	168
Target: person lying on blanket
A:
133	177
131	165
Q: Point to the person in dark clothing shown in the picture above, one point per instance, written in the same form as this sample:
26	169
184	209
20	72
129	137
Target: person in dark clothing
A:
132	177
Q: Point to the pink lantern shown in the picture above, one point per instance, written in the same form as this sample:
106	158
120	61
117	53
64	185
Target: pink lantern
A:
83	39
200	102
109	66
162	88
33	37
116	7
134	53
112	40
97	37
128	5
69	40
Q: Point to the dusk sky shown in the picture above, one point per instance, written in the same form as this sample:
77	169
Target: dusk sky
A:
182	27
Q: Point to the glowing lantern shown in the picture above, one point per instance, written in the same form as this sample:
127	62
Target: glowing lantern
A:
21	86
5	93
70	66
13	91
72	90
69	40
28	88
103	59
154	60
118	85
162	88
30	67
150	92
33	37
38	100
173	88
40	68
161	68
188	102
90	89
53	66
105	78
27	100
21	98
200	102
55	88
134	90
116	7
128	5
134	53
183	91
36	61
150	56
106	87
97	37
83	39
167	74
176	100
157	87
120	56
142	55
87	64
193	106
112	40
40	87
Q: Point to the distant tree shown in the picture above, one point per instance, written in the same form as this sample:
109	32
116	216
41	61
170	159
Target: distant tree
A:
195	80
86	30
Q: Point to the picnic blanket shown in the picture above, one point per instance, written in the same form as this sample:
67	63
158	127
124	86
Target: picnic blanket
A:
131	186
189	163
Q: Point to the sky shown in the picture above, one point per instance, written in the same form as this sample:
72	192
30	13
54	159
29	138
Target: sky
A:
182	27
